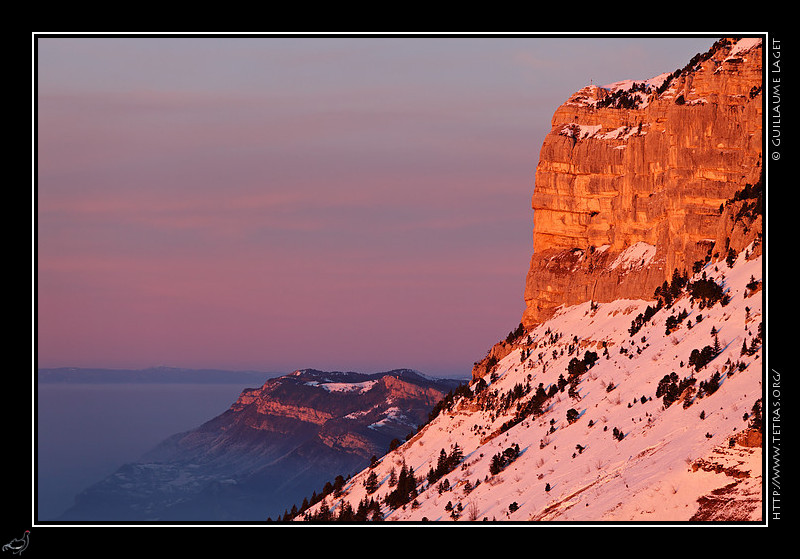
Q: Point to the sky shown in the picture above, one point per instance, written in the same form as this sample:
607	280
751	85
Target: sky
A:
275	203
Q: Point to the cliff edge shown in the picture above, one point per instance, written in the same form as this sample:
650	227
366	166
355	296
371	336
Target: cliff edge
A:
639	179
632	178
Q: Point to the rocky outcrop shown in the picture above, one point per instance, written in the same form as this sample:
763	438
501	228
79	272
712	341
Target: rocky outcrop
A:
638	179
633	176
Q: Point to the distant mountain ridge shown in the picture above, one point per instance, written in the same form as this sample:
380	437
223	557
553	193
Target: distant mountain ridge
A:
274	445
74	375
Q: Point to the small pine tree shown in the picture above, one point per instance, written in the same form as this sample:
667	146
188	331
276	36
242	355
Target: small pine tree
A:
572	415
456	455
731	257
496	465
441	464
371	483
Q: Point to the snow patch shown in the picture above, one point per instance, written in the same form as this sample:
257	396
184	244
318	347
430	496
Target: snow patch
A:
355	387
654	83
580	131
622	133
744	45
637	255
393	415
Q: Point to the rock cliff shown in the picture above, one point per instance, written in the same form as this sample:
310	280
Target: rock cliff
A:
638	179
632	177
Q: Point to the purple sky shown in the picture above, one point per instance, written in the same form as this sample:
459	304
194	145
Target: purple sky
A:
279	203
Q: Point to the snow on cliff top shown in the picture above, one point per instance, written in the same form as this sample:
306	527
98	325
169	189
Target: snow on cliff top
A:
744	45
589	95
627	84
740	47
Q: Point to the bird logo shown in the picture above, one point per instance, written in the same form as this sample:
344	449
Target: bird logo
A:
18	545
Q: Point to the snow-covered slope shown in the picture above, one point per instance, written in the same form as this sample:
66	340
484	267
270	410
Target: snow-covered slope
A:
622	454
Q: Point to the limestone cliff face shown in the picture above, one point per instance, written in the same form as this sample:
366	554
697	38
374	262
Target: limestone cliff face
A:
632	177
640	178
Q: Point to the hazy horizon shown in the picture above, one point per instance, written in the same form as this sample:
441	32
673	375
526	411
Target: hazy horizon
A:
275	203
179	375
87	431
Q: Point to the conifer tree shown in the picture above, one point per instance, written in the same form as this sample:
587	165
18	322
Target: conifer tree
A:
441	464
572	415
456	456
371	483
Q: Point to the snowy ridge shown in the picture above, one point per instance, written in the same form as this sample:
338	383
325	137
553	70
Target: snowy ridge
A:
744	45
639	94
652	83
621	439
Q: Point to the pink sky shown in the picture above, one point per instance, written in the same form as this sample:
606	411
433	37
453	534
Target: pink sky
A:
275	204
